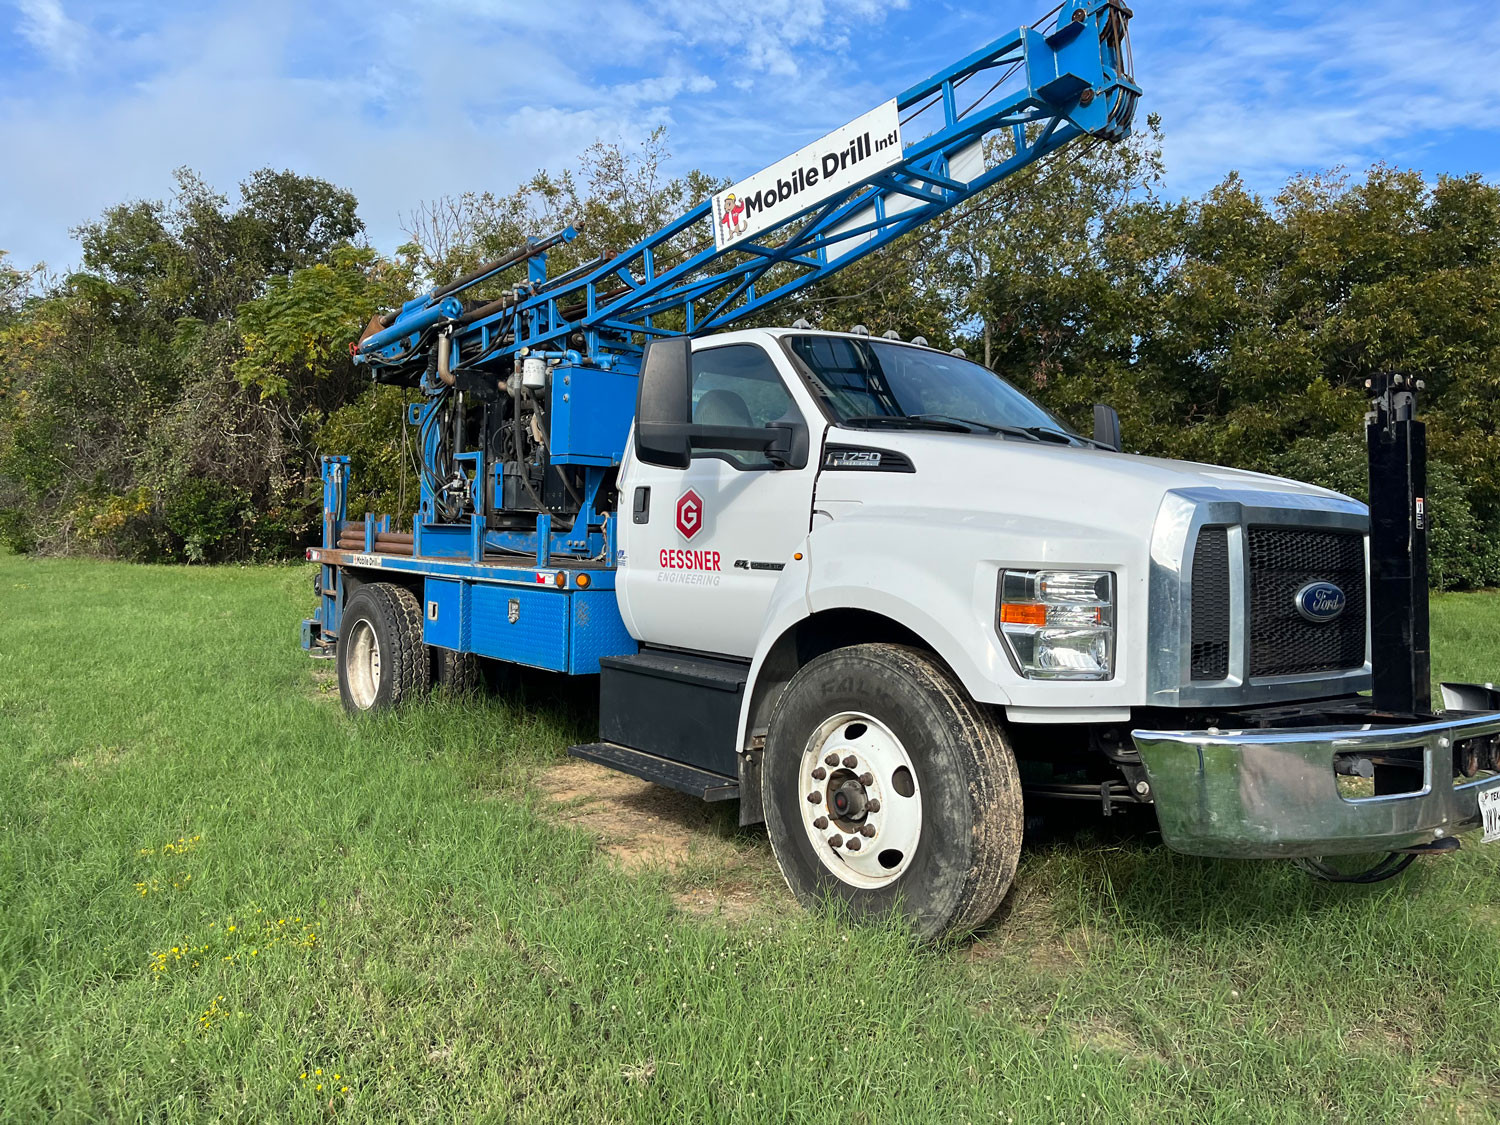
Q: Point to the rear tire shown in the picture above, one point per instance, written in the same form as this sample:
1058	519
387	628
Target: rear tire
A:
916	802
456	673
382	660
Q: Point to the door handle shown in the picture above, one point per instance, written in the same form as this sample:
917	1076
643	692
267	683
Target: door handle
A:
641	508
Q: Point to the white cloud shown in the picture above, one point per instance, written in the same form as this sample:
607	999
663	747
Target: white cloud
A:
1262	90
773	36
394	105
47	27
664	88
226	107
437	97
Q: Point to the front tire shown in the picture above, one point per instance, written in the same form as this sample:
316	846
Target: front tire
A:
382	660
887	787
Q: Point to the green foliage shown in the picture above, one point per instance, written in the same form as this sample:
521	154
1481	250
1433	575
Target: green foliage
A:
301	327
372	431
139	417
204	513
13	284
615	198
207	342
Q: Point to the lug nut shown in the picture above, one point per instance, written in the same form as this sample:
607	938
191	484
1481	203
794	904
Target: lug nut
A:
873	806
819	774
850	761
867	831
835	841
1142	788
821	823
854	844
867	779
815	797
831	760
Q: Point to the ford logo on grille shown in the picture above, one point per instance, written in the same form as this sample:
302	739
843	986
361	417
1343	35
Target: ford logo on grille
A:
1320	602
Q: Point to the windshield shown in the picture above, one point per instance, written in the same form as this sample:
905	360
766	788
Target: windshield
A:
868	382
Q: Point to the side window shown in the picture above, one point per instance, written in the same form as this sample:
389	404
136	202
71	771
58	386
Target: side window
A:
738	385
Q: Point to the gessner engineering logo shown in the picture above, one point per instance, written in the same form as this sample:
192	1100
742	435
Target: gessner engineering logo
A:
689	519
689	514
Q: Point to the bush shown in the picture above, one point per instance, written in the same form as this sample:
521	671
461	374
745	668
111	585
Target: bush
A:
16	532
1462	553
207	516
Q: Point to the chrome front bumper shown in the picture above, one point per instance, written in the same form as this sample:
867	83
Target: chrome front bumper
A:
1261	794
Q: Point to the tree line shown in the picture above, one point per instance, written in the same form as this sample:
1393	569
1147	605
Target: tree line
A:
168	399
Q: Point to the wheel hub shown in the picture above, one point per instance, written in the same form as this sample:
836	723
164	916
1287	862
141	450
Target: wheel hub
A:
861	810
363	667
848	800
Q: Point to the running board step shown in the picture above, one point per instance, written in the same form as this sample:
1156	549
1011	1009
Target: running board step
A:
680	707
659	771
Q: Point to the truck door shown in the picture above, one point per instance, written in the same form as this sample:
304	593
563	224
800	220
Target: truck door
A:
703	547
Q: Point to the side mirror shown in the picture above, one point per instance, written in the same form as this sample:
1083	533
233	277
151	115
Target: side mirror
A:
664	403
1107	426
665	433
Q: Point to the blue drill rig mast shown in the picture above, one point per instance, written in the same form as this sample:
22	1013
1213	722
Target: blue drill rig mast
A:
530	389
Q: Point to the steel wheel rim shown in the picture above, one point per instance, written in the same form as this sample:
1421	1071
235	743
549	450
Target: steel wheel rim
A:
871	846
363	669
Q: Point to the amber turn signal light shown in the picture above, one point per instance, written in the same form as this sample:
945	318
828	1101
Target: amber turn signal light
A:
1013	613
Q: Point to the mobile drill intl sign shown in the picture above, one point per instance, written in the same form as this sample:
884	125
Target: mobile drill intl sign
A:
854	152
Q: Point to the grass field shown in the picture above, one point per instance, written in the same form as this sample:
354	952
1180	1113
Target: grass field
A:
222	900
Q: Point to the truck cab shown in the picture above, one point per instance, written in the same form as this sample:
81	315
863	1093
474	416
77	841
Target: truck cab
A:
926	486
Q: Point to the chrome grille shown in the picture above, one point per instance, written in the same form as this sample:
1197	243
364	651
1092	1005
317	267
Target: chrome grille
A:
1282	561
1210	656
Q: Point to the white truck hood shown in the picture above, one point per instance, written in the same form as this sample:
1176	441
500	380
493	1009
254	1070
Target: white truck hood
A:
925	546
1031	481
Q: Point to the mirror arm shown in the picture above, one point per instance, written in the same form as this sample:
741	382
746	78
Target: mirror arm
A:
731	437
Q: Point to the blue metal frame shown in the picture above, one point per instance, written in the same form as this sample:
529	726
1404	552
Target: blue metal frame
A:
1072	82
1042	89
565	618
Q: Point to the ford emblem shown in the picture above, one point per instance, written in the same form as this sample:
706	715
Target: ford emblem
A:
1320	602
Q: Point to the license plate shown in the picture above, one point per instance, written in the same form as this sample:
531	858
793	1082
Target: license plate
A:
1489	813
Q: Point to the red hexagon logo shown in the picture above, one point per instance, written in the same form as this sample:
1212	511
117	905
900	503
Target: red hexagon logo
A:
689	514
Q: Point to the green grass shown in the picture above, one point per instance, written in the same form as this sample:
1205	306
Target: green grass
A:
453	951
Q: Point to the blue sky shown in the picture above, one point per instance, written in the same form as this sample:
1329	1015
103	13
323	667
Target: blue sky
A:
409	102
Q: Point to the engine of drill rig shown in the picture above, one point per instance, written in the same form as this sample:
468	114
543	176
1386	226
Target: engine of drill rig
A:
486	444
520	442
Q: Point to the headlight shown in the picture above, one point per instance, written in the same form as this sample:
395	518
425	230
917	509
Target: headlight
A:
1059	624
